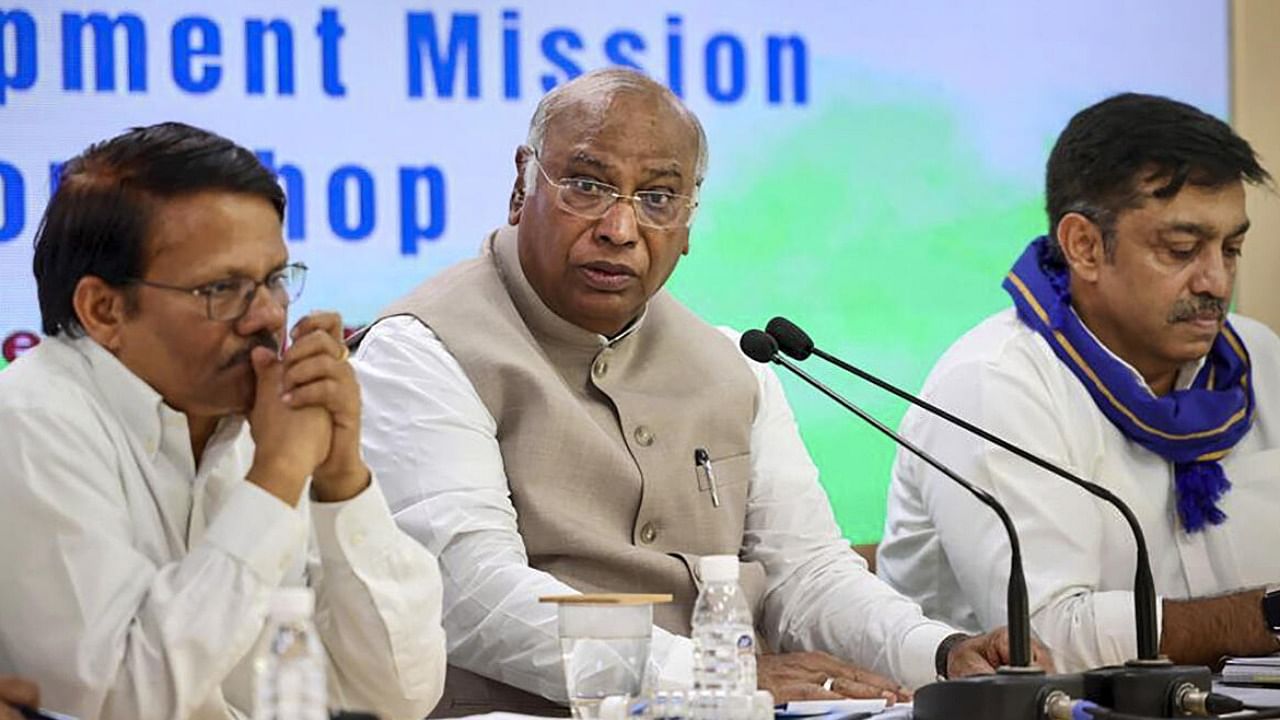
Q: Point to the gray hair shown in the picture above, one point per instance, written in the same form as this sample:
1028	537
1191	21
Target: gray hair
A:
599	86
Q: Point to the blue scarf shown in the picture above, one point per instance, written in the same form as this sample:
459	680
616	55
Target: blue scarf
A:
1193	428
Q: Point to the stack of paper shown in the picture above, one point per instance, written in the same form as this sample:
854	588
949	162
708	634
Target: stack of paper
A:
846	709
1263	696
1252	671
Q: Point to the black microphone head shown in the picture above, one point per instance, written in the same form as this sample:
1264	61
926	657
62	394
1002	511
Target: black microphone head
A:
791	339
758	345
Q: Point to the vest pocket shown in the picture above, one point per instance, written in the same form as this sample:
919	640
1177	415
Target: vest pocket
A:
728	470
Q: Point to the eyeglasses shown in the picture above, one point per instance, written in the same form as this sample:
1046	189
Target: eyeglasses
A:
227	300
587	198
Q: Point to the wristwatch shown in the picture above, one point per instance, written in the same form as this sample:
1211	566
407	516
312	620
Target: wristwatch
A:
942	657
1271	608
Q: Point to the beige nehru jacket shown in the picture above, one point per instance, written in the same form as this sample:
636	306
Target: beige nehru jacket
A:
598	440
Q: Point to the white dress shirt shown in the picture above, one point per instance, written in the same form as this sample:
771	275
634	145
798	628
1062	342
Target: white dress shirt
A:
135	584
433	446
949	552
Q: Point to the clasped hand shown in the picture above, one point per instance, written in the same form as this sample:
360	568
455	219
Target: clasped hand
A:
305	418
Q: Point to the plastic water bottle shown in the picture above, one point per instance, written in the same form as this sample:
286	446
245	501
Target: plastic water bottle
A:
688	705
290	669
724	653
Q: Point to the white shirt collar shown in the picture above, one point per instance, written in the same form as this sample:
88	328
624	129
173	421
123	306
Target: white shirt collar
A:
143	413
1186	374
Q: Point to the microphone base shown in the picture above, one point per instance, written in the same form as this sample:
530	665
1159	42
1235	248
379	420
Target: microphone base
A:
1011	694
1145	687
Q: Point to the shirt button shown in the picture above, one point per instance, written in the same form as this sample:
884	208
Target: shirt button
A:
643	436
357	538
648	534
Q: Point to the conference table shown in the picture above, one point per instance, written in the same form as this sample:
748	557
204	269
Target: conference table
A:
1252	695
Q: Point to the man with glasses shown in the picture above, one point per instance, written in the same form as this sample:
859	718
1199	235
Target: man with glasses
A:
534	416
169	464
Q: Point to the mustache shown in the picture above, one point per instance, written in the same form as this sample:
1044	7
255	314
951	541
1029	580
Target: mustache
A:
262	338
1198	306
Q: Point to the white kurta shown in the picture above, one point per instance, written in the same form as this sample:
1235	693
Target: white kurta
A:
433	446
947	551
135	584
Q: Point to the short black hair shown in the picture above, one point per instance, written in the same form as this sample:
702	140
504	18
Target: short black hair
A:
98	220
1108	149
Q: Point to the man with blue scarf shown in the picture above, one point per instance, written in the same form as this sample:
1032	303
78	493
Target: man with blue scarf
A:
1119	361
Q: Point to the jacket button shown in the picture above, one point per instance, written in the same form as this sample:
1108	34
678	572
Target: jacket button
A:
643	436
600	368
648	534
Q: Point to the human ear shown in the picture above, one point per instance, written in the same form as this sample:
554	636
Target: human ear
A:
1082	245
102	310
516	205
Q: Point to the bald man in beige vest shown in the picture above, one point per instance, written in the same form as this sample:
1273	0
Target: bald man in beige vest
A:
533	415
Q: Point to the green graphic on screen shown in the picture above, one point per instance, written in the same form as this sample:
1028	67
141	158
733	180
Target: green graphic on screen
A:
878	208
885	249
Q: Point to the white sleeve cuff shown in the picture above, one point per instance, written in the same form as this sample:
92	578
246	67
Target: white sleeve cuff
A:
918	662
1114	630
361	524
258	529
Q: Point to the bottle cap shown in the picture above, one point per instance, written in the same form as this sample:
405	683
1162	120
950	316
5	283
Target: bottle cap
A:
293	602
719	568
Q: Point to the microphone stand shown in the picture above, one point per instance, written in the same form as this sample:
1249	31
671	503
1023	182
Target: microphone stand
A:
1149	684
1016	691
1144	593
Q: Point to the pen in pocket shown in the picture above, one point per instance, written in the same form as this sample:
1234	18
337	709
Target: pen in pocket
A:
702	461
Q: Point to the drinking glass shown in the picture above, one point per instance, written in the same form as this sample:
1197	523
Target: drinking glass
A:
604	644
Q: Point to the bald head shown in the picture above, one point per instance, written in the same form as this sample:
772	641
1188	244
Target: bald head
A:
594	93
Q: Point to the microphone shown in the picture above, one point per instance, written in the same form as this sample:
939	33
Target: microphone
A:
797	344
762	348
1148	684
1019	689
